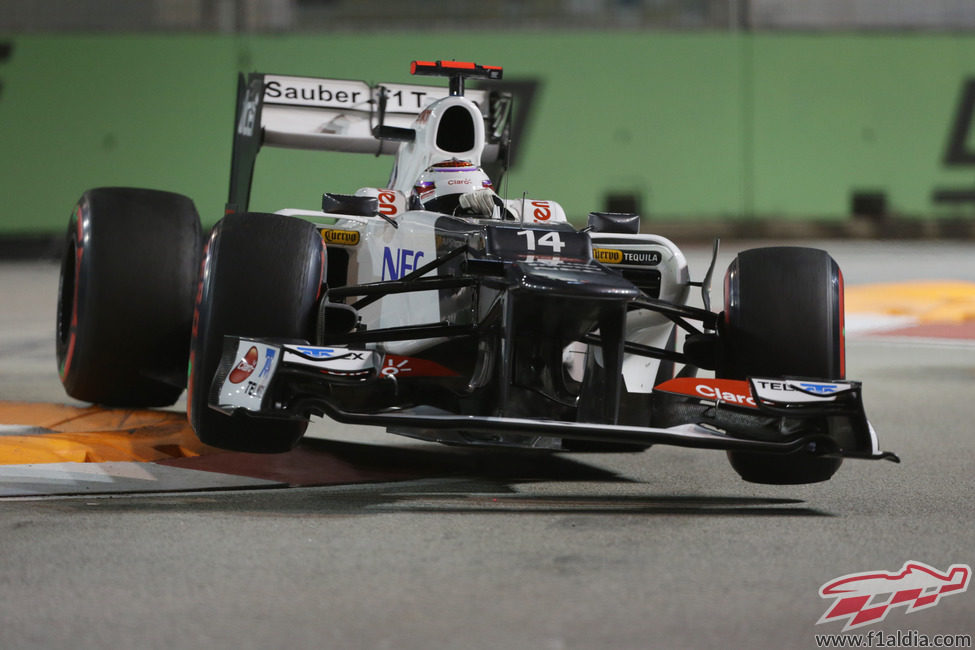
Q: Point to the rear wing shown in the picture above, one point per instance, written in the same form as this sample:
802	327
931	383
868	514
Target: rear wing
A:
341	115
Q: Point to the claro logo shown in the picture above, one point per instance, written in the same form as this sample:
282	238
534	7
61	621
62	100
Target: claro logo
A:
731	391
717	393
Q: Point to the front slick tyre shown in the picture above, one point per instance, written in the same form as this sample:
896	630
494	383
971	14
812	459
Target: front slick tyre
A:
261	277
783	317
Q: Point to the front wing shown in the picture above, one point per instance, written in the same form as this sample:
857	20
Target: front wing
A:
261	378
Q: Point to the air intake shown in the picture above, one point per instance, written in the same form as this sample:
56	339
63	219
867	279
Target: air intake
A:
456	130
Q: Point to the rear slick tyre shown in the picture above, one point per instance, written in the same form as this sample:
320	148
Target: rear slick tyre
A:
261	277
125	301
783	317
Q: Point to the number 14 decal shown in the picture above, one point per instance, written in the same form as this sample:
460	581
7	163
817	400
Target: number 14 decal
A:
550	239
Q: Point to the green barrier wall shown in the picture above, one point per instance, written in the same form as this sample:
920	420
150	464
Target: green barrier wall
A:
693	125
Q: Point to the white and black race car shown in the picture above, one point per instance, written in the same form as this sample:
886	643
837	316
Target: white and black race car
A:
440	310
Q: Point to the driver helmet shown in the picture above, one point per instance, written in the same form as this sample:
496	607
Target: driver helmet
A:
440	186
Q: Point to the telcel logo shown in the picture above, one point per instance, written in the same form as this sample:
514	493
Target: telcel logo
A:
819	389
317	353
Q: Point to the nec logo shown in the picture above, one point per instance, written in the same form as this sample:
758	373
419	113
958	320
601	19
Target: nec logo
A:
398	262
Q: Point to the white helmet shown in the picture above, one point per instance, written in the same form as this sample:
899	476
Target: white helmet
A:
440	186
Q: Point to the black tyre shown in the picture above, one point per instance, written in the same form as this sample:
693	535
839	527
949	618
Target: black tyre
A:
783	317
125	302
261	277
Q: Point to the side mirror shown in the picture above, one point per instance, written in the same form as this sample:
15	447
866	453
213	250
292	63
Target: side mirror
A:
614	222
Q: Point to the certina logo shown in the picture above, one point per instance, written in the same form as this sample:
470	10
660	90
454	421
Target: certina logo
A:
340	237
866	598
245	367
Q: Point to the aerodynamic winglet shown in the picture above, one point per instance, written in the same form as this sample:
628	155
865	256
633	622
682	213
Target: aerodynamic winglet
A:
457	71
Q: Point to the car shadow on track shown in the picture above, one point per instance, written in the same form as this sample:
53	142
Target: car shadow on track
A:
448	497
342	478
317	462
603	505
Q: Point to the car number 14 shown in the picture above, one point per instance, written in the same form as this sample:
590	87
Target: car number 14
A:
550	239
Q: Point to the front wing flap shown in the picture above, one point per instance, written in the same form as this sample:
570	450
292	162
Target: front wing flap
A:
776	409
761	415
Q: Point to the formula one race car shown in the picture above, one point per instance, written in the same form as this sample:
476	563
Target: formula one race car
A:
442	311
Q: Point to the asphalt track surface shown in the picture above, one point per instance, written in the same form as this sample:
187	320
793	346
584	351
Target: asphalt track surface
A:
365	540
